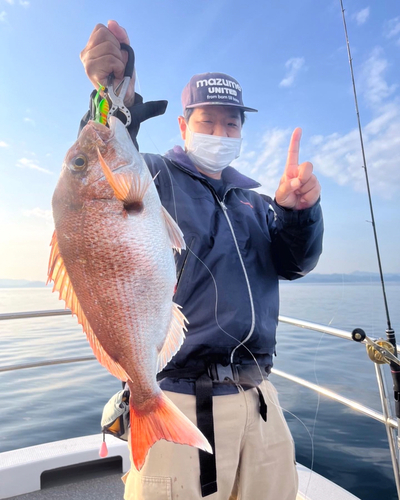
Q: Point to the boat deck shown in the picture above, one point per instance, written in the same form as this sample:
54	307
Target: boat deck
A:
109	487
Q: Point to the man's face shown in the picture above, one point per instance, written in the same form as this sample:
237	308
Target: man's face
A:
223	121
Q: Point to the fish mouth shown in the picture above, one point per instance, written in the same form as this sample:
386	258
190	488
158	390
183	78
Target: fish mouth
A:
96	134
101	136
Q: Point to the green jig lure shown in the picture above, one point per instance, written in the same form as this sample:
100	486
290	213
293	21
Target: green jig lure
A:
101	107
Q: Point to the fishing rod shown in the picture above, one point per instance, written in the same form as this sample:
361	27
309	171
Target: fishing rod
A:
390	334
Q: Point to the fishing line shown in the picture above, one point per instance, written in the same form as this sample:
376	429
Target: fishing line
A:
239	343
316	409
364	166
316	356
390	334
389	331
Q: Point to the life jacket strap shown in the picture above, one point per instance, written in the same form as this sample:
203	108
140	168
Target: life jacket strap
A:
205	423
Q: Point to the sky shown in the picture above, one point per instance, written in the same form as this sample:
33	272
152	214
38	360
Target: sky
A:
290	58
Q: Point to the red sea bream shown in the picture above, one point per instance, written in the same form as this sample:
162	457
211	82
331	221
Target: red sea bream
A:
112	263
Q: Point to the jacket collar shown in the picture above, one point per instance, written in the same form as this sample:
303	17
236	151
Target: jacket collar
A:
230	176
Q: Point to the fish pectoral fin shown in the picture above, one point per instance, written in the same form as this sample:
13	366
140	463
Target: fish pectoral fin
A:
57	272
127	187
174	338
174	232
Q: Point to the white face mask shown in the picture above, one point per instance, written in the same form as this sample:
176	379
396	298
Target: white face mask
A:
211	153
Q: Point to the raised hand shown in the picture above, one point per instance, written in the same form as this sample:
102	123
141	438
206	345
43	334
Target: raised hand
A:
102	55
298	187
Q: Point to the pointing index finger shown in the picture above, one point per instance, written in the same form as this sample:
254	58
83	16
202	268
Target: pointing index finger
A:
292	161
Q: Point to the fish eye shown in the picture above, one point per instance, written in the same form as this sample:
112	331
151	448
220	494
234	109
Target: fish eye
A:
79	163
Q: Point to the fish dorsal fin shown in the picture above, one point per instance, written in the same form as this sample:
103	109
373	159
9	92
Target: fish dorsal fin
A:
174	232
127	187
58	273
175	337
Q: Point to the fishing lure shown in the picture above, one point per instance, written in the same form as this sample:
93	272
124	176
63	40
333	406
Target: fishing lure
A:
101	107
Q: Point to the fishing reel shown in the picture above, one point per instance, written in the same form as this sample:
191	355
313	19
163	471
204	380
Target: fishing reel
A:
380	351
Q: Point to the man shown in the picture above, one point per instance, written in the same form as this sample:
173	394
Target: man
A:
238	244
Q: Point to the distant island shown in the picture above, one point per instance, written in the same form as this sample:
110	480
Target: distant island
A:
21	284
355	277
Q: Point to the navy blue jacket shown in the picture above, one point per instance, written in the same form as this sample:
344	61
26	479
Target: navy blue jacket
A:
239	243
224	234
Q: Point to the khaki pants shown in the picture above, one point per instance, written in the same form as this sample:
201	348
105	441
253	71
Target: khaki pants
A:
255	459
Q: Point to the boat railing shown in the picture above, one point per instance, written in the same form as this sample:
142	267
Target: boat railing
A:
391	424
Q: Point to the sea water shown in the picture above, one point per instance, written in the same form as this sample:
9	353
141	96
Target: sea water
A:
45	404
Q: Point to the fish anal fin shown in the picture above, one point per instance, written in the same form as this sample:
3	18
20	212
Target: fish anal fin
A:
128	187
62	284
174	232
174	338
164	421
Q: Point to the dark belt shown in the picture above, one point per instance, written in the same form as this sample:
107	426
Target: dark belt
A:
246	376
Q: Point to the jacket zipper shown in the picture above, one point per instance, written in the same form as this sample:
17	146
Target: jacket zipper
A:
225	210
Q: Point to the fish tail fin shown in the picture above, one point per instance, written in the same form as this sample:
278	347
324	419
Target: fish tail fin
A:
165	421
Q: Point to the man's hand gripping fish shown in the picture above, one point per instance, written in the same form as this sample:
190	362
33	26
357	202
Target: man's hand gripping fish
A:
112	262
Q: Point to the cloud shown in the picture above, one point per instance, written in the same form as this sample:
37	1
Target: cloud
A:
293	66
24	3
32	164
3	16
3	144
266	163
392	29
29	120
372	83
361	16
38	212
338	155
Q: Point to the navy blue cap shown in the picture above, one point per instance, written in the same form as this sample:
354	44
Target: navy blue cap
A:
213	89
